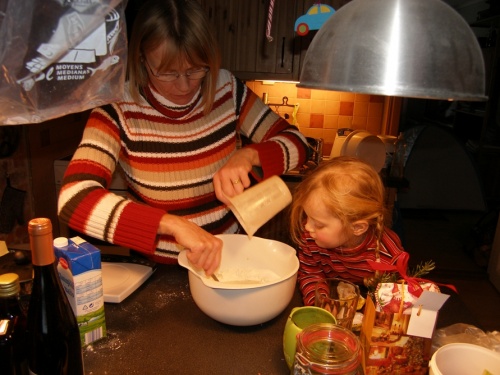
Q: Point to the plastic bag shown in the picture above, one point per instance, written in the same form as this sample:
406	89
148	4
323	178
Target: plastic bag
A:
466	333
59	57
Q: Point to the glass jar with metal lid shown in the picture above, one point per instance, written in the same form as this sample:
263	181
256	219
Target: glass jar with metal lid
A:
327	349
13	358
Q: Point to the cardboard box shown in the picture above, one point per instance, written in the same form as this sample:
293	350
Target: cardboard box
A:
79	267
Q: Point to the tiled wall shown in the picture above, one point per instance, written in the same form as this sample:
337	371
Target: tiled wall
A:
321	113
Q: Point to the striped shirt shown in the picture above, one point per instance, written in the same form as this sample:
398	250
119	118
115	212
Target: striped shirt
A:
317	263
169	155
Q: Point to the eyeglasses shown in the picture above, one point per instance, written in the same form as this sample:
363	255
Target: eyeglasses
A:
191	74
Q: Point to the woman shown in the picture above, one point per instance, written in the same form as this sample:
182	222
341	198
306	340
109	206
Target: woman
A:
177	134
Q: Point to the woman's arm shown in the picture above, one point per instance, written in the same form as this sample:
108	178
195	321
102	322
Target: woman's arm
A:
204	248
87	206
280	146
273	145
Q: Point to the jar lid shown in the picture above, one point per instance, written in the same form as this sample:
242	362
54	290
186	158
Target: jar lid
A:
9	285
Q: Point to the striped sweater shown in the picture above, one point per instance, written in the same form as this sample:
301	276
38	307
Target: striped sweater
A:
169	155
317	263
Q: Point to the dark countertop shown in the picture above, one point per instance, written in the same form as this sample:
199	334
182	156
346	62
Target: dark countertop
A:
160	330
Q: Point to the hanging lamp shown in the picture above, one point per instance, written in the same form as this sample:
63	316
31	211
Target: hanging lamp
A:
407	48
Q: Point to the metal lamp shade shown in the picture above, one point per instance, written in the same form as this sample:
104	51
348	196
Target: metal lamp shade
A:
409	48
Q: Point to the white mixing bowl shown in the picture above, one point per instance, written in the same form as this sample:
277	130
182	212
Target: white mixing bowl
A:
257	279
464	359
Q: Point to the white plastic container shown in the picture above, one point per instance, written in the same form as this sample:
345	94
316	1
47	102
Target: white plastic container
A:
260	203
464	359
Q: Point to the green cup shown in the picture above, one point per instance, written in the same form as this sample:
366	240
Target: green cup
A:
300	318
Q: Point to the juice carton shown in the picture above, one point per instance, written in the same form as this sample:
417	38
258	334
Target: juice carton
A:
79	267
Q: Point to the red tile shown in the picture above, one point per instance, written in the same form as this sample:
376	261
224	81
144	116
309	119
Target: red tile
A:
377	99
316	120
346	108
303	93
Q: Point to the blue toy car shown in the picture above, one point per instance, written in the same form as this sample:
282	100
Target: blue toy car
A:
313	19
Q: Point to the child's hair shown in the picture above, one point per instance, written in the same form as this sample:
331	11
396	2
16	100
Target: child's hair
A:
350	189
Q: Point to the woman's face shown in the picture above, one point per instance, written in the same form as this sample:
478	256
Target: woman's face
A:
179	91
326	230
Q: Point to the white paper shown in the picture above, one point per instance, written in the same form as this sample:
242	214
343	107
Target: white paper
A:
424	314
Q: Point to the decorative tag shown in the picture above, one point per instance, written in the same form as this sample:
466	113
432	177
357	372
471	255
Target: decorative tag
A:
424	314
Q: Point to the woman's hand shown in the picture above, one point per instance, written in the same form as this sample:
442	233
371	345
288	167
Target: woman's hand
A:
233	177
204	249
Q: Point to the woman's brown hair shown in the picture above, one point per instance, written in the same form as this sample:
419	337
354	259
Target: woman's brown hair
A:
182	27
350	189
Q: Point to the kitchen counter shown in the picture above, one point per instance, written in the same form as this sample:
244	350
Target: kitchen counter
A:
160	330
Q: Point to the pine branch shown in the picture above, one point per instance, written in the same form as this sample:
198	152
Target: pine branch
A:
393	277
422	269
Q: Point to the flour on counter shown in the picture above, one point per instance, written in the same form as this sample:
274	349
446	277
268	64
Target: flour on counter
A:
246	276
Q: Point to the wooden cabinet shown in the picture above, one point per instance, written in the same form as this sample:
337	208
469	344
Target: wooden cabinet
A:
241	31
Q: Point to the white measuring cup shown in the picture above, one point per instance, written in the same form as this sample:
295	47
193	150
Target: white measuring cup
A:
260	203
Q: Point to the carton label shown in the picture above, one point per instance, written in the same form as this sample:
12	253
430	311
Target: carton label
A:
79	267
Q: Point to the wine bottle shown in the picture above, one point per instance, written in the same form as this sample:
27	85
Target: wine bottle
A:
13	360
54	346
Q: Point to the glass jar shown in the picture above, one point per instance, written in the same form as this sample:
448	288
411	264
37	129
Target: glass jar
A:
13	359
327	349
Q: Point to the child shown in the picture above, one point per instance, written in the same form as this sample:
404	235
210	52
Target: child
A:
337	220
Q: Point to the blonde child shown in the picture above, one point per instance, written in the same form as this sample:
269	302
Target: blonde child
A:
337	221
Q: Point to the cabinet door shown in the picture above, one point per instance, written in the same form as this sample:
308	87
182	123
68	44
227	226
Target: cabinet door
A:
257	54
223	16
241	31
241	25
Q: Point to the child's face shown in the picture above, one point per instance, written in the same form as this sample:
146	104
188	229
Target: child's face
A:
326	229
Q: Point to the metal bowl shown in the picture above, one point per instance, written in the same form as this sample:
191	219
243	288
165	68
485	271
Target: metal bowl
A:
257	279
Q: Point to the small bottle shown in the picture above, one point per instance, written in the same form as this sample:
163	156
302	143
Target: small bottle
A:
54	345
13	360
398	159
